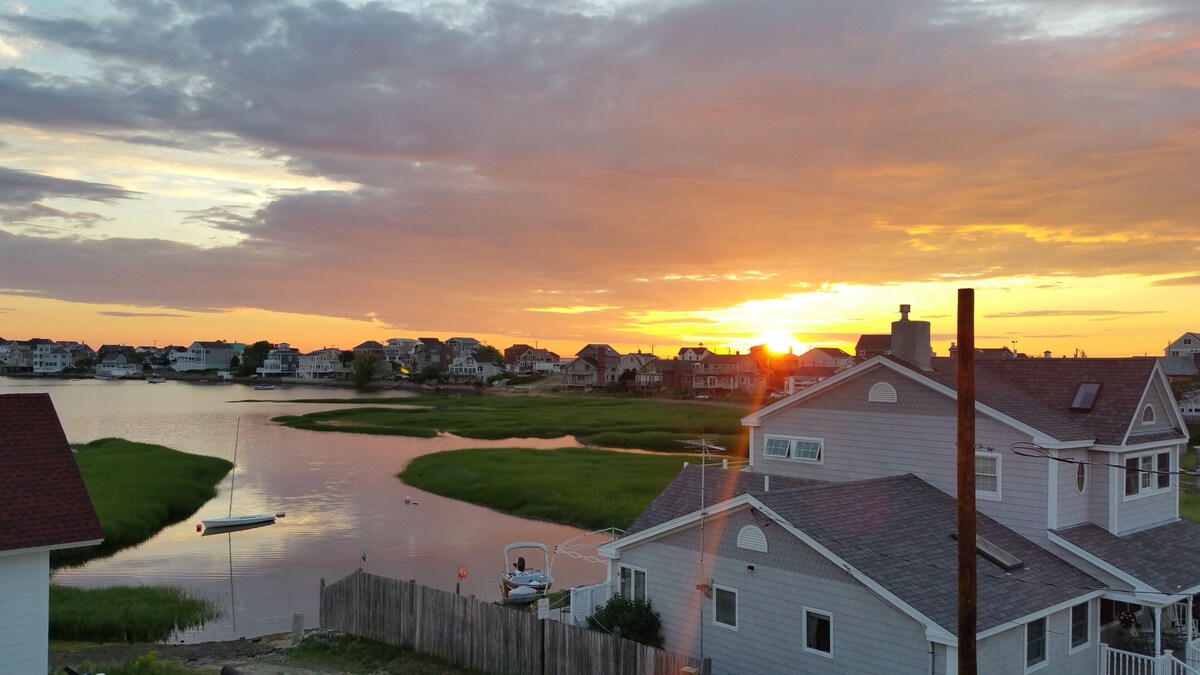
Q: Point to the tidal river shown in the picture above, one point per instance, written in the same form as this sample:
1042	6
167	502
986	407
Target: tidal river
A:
339	491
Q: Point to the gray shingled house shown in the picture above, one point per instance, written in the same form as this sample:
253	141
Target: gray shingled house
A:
832	552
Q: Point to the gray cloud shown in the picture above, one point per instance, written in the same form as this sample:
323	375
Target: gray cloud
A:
1070	312
168	315
816	142
1193	280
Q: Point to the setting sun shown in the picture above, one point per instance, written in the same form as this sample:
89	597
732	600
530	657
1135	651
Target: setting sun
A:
779	342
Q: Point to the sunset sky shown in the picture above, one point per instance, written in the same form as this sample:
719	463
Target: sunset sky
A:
641	173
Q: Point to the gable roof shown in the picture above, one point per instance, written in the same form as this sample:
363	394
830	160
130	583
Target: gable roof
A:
1034	395
897	531
837	352
894	533
874	343
43	502
371	345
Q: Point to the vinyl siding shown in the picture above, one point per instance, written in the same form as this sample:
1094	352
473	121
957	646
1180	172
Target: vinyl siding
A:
1156	398
918	435
1138	513
868	635
24	612
1100	488
1074	508
1005	652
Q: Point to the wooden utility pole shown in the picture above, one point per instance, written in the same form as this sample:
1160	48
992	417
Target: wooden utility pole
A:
965	371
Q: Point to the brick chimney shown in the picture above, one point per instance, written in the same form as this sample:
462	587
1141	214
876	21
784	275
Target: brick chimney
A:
910	340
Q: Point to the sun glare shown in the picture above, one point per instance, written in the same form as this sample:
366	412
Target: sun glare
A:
781	343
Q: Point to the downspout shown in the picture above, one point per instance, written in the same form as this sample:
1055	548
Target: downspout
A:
932	659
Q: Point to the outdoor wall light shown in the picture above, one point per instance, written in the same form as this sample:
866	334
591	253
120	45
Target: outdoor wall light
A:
750	568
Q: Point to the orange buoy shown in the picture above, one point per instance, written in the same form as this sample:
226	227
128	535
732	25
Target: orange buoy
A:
198	526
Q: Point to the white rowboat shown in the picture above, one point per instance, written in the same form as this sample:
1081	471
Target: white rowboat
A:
238	521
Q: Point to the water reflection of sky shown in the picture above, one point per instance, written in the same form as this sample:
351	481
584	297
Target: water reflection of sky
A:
339	491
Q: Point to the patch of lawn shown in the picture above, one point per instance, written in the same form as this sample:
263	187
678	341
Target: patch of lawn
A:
124	613
1189	497
621	423
350	654
138	489
583	487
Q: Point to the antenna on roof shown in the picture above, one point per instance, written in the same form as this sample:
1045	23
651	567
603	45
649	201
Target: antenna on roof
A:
706	447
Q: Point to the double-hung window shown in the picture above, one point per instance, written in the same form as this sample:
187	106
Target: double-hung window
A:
987	475
1079	626
725	607
632	583
1147	474
1035	644
818	632
794	447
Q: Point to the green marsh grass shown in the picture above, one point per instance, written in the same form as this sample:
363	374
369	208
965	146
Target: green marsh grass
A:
583	487
138	489
124	613
611	422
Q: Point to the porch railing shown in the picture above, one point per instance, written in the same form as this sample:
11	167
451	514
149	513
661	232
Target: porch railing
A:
1193	655
1119	662
585	600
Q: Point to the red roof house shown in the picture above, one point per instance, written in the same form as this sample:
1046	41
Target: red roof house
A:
43	506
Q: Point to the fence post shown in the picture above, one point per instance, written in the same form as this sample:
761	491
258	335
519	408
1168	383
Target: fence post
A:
321	619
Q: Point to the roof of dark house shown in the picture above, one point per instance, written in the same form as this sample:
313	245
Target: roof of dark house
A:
43	502
874	343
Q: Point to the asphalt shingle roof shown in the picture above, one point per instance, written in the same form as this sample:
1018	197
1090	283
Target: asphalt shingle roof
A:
43	501
1039	392
897	531
1164	556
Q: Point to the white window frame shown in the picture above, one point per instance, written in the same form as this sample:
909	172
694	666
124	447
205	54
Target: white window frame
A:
1029	668
633	582
828	616
989	494
1081	468
1149	410
793	442
1147	484
1087	640
736	608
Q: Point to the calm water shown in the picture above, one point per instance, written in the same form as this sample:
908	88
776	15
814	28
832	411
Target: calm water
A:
339	492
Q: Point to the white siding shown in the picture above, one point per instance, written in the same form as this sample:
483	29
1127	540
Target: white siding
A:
24	612
1005	652
868	636
1074	508
918	435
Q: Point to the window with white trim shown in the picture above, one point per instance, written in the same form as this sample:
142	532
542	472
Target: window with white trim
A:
725	607
818	632
794	447
1035	644
632	583
987	475
1148	473
1081	477
1148	415
1079	626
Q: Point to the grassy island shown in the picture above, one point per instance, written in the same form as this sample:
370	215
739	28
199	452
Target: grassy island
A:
137	489
583	487
611	422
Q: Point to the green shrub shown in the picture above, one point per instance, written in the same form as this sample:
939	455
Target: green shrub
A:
635	619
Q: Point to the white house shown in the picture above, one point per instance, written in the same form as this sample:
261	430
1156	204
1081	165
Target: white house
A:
44	506
467	368
50	358
204	356
321	364
1185	345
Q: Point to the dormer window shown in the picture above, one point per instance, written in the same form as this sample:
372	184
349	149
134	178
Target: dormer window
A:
1148	415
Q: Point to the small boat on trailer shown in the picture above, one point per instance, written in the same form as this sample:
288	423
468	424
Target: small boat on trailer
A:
519	583
238	521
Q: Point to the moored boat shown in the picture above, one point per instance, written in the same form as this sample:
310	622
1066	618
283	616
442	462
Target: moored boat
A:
519	583
155	379
238	521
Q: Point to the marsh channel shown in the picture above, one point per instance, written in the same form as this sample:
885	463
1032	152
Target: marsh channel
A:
339	492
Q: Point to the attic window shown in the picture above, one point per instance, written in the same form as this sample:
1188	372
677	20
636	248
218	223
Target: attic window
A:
1148	415
1085	398
752	538
882	392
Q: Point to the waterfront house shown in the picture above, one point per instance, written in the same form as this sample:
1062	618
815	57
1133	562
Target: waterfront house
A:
281	361
531	360
692	353
852	569
44	506
461	346
467	368
1184	345
321	364
595	366
825	357
204	355
117	364
49	357
665	374
806	376
717	374
431	353
370	347
630	364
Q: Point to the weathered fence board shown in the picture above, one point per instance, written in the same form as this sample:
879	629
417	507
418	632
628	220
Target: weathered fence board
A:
482	636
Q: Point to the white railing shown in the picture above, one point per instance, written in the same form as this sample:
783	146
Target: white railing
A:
1193	655
1118	662
585	600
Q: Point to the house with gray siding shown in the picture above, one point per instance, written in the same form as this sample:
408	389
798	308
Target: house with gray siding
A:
1077	480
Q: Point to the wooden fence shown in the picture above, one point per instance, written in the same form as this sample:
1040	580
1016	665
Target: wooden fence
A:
483	636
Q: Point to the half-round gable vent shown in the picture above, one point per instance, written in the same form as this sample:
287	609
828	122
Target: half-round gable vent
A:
752	538
882	392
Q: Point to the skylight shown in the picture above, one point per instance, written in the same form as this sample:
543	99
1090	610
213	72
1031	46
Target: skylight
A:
1085	398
